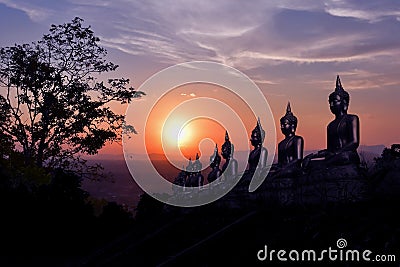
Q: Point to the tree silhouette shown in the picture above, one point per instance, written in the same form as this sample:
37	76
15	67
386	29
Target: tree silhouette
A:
52	100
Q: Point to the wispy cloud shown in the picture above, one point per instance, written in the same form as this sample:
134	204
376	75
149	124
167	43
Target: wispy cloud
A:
34	12
188	94
243	35
369	10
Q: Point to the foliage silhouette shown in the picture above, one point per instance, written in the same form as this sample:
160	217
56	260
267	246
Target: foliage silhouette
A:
54	107
52	101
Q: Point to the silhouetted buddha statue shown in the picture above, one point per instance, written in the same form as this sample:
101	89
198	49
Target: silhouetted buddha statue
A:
290	149
189	173
230	167
181	178
258	156
215	160
198	177
197	164
189	167
343	133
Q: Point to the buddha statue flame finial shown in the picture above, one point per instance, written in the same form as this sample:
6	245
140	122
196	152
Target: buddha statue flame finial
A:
289	115
339	86
259	130
339	90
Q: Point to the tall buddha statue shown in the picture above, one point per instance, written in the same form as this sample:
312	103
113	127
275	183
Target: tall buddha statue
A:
230	167
290	149
258	156
343	133
215	161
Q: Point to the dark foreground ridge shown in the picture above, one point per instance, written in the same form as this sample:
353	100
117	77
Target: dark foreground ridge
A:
222	233
54	225
208	236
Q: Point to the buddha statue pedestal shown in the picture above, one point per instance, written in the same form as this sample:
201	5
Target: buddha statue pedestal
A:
340	184
279	191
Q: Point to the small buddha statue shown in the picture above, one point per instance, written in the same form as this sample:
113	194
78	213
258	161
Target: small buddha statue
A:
343	133
258	156
215	160
189	173
189	167
198	178
230	167
290	149
181	178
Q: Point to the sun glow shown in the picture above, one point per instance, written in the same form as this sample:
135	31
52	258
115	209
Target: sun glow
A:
185	136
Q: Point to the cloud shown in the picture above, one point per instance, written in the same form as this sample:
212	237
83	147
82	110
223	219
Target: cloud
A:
366	80
188	94
246	35
369	10
35	13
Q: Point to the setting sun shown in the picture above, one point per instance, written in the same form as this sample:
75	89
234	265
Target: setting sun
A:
185	136
176	126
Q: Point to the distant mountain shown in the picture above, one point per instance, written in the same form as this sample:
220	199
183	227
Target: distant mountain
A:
369	153
123	189
376	149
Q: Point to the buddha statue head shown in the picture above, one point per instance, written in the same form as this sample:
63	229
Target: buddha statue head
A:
288	122
215	158
226	149
189	167
257	135
339	99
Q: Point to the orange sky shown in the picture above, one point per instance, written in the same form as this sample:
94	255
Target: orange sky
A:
195	130
313	118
